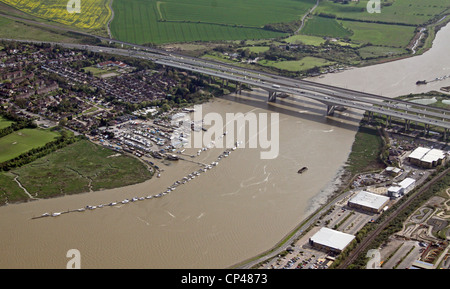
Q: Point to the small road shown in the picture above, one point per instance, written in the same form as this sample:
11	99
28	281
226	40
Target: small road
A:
306	15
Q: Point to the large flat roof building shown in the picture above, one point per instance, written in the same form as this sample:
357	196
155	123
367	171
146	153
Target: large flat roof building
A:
368	202
427	158
332	240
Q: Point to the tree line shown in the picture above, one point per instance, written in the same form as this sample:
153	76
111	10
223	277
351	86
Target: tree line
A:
35	153
19	123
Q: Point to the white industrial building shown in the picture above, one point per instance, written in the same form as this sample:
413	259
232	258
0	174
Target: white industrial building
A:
407	185
368	202
427	158
330	240
402	188
395	191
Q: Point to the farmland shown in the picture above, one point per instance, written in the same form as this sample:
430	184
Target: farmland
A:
94	13
23	140
380	34
149	21
322	26
412	12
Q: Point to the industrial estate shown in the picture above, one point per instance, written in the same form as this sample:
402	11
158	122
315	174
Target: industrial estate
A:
112	85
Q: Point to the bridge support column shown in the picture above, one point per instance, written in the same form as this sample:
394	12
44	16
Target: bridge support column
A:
427	129
445	134
272	96
407	124
330	109
388	121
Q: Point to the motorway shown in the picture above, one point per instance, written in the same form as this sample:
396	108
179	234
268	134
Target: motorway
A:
329	95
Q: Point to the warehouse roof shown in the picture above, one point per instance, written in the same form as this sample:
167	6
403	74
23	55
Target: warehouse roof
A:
369	200
427	155
406	182
332	238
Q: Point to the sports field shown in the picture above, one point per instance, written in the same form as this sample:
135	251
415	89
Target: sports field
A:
23	140
151	21
4	122
94	14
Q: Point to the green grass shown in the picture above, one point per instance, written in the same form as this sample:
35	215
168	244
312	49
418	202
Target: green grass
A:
71	169
413	12
256	49
380	34
365	151
11	29
321	26
4	122
297	65
151	21
305	39
379	51
23	140
10	190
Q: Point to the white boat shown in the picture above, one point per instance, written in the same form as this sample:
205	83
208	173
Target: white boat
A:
134	199
56	214
81	210
141	198
113	204
149	197
45	215
125	201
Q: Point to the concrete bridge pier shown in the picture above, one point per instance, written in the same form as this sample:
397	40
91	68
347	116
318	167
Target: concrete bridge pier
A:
427	129
239	88
388	121
407	124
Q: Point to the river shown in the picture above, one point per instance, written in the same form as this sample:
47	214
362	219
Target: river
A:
235	211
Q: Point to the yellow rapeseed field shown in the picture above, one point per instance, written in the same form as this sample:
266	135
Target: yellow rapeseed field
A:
94	14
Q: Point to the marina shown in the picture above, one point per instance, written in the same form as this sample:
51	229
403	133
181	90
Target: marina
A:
171	188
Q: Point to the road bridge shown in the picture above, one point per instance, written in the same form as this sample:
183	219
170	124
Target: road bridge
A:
331	96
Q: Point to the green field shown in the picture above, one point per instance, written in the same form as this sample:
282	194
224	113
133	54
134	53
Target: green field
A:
78	168
414	12
380	34
4	122
11	29
379	51
321	26
150	21
10	190
394	26
297	65
23	140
